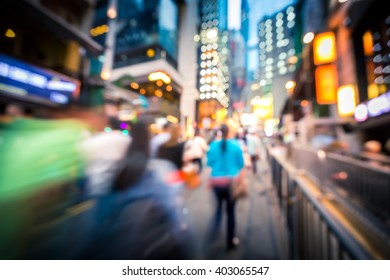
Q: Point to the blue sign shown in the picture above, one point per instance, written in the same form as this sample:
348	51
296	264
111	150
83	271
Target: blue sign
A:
24	80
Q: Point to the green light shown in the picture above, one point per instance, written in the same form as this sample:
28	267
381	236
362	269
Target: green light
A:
125	132
107	129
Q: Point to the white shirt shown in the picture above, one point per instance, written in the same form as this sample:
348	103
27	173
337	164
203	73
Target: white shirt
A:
253	144
195	148
103	152
157	141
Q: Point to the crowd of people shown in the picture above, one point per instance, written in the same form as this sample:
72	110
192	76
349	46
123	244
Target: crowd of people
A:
73	189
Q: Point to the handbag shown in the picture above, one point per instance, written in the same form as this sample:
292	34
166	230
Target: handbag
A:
190	174
239	186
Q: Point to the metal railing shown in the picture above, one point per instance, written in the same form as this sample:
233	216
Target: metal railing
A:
364	186
325	224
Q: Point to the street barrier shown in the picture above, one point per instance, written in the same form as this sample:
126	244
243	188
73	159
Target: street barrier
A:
325	218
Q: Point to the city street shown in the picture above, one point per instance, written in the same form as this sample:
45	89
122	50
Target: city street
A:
260	227
108	107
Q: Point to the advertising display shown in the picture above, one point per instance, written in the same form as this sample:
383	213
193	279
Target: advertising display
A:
21	80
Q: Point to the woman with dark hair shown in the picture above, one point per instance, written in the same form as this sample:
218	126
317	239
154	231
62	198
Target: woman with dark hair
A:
141	218
225	158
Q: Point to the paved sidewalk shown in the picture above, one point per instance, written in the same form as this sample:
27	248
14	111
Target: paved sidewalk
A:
259	224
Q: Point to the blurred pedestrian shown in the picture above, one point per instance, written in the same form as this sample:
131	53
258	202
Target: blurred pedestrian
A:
195	150
160	139
40	174
173	149
253	147
141	217
225	158
241	138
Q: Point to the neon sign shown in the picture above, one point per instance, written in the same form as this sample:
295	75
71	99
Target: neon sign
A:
19	78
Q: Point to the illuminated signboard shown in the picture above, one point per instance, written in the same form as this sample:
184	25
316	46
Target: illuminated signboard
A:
326	84
324	48
24	80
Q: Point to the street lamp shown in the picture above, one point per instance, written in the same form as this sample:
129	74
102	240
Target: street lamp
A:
112	9
309	36
290	85
110	41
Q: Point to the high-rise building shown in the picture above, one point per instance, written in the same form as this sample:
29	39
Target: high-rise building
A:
278	54
147	36
214	54
245	20
237	67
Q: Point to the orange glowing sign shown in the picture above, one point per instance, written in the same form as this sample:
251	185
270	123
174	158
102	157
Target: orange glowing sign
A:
326	84
368	43
324	47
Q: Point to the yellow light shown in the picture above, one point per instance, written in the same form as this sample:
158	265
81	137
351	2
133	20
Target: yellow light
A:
265	101
221	115
105	74
150	53
346	100
158	93
134	85
111	13
262	113
382	88
159	76
153	127
169	88
99	30
292	59
290	85
326	84
159	83
10	33
368	43
255	87
324	48
172	119
308	37
142	91
373	91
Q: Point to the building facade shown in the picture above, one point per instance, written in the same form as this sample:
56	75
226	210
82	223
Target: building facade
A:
237	68
146	39
214	54
278	54
46	52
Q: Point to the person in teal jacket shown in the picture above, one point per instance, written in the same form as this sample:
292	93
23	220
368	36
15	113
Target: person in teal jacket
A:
226	160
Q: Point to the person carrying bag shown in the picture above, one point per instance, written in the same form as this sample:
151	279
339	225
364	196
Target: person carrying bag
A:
225	158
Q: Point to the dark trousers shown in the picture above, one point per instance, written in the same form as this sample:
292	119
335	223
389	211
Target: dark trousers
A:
198	161
222	194
254	163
